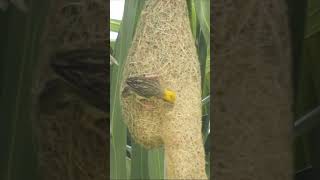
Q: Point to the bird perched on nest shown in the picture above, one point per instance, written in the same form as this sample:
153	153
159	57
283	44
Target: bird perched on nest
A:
146	87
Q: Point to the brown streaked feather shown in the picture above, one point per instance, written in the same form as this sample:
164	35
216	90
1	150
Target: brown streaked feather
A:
144	86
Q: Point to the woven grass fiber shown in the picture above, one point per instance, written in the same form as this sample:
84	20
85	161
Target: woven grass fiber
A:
71	133
163	46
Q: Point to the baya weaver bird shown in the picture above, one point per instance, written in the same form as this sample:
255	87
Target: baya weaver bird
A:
146	87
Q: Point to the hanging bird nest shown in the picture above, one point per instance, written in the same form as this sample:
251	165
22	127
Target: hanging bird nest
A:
163	47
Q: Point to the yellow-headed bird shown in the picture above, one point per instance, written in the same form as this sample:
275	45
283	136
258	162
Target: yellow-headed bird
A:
147	87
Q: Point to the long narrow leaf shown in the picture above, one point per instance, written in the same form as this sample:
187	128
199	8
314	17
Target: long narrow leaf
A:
203	14
19	59
156	163
115	25
192	17
139	162
118	128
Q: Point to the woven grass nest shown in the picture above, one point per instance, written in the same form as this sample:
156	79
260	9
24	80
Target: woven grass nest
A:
163	46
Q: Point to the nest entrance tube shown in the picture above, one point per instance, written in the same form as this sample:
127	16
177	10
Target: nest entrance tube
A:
163	46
